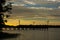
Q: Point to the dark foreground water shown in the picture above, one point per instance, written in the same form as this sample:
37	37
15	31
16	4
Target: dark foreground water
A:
37	34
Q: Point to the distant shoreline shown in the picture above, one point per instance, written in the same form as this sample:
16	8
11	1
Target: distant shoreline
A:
33	26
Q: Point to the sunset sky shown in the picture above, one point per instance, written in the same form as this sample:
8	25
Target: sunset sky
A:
33	12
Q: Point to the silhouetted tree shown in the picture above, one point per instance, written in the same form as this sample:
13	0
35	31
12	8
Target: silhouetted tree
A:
1	14
3	8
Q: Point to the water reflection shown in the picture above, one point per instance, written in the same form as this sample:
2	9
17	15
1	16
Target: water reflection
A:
4	35
36	34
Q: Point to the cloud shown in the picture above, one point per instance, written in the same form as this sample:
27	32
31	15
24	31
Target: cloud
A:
29	2
40	8
51	0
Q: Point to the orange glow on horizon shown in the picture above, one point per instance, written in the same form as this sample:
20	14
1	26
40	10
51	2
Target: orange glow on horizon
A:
30	22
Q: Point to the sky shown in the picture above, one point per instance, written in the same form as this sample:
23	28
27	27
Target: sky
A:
35	3
29	14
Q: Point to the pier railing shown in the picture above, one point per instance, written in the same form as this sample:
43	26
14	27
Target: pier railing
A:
30	27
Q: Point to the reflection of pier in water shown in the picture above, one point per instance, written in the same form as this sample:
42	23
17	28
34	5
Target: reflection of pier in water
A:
42	29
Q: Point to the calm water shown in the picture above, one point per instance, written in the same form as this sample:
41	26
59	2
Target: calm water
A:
37	34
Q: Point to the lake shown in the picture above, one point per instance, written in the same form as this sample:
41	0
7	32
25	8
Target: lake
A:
37	34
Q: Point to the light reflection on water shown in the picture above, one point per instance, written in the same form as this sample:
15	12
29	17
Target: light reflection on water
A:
42	34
